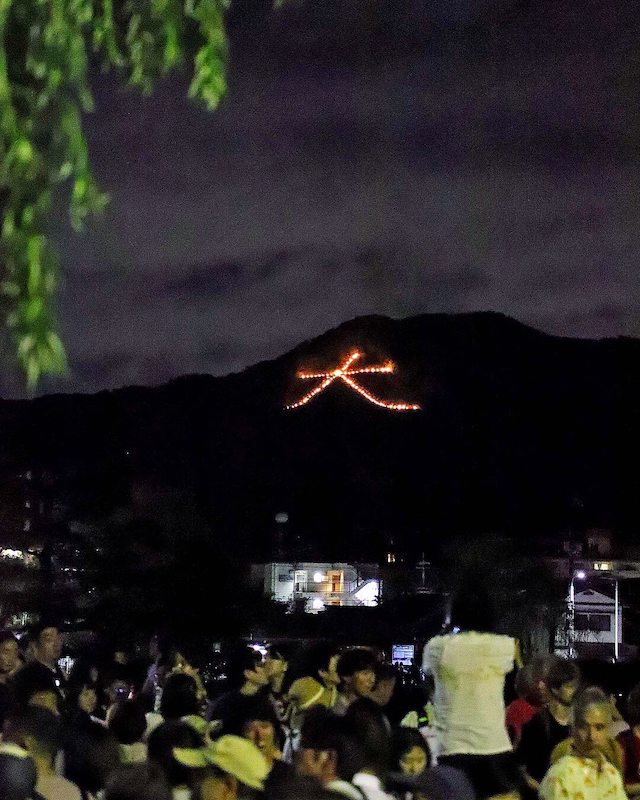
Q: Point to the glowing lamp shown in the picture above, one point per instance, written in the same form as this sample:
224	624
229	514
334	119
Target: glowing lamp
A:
318	577
581	574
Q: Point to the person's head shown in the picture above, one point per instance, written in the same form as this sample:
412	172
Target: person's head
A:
120	655
161	645
128	722
410	753
27	647
323	745
232	766
366	724
386	679
245	666
154	648
472	607
256	721
161	744
562	680
82	696
591	720
117	688
276	665
37	688
179	697
633	706
356	669
530	681
323	658
9	653
48	642
90	756
38	731
17	773
137	782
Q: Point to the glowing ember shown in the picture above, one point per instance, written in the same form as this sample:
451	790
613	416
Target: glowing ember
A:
344	373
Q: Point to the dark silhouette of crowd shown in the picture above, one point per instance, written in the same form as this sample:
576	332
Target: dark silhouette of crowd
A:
312	722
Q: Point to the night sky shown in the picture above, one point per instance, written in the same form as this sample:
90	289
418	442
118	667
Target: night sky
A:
444	157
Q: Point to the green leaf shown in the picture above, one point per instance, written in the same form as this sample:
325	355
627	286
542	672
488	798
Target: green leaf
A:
44	90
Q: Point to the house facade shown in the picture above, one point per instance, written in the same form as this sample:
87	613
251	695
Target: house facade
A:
319	584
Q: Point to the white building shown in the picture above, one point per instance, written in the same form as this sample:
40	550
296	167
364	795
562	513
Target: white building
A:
595	618
319	584
594	624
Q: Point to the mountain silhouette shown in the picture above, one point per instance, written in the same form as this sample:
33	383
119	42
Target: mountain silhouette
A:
519	432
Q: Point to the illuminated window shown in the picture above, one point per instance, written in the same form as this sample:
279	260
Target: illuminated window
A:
391	558
602	566
300	580
336	580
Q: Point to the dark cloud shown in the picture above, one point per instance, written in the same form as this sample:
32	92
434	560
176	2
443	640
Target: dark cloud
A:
212	280
495	166
101	371
218	280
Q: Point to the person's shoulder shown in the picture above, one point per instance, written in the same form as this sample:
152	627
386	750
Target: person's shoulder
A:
55	786
561	750
29	671
612	771
493	641
437	643
566	765
445	781
532	728
539	719
625	738
499	641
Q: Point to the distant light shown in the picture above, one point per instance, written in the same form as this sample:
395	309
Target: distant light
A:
259	648
344	372
318	577
602	566
317	604
282	517
7	552
581	574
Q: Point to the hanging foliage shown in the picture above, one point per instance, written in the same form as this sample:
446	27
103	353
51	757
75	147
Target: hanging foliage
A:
45	50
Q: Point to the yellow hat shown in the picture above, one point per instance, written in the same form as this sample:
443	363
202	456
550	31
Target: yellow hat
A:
232	754
307	692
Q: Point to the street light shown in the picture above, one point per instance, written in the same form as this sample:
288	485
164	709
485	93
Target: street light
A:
579	575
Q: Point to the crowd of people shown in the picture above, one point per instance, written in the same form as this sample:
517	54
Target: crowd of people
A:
312	725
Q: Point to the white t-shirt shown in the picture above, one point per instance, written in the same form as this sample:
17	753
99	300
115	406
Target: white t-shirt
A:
469	670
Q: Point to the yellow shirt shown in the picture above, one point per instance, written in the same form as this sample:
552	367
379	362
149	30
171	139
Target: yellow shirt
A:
578	778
